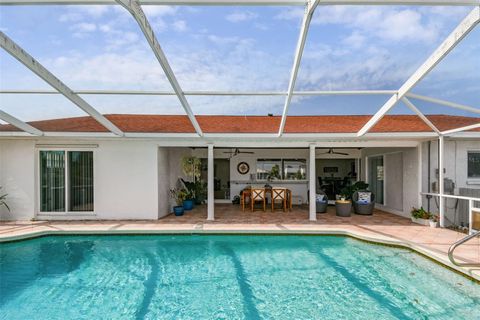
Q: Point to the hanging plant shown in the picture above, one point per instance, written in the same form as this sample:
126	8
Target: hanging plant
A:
192	168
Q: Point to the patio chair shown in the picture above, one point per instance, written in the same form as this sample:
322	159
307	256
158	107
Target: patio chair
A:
257	195
363	207
279	194
321	202
245	194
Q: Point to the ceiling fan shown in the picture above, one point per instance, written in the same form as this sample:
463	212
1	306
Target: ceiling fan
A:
330	151
236	151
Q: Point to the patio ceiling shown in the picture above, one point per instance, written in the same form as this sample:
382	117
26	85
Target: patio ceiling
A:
134	7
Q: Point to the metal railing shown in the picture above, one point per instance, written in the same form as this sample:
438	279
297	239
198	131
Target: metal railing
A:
473	224
456	245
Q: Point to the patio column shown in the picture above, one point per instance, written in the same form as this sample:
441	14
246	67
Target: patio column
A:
441	176
312	185
210	196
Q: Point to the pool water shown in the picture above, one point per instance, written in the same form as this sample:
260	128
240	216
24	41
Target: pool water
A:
226	277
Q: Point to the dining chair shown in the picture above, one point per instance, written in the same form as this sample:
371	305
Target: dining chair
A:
257	195
279	194
246	193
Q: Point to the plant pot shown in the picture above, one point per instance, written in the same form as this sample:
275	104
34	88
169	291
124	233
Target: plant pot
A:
188	204
343	208
199	200
433	224
424	222
178	210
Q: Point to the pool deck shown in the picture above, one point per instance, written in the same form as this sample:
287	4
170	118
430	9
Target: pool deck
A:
381	227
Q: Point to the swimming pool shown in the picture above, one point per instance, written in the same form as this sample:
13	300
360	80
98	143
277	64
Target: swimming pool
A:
226	277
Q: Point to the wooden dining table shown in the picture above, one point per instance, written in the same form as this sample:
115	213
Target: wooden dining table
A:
247	193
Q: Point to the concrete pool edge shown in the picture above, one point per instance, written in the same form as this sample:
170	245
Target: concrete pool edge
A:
440	258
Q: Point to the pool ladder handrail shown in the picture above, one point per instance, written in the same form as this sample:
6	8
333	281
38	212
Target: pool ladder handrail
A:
457	244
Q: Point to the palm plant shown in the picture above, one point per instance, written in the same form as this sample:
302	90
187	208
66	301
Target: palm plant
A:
3	201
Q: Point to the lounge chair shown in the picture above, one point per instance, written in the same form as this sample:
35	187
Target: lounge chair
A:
361	206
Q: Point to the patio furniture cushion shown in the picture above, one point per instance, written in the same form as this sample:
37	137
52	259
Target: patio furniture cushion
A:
320	198
364	197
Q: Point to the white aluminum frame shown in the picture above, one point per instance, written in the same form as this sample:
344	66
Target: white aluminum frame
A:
250	2
26	59
307	18
460	32
135	9
19	124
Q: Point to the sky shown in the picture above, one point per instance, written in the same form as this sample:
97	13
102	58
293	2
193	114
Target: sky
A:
248	48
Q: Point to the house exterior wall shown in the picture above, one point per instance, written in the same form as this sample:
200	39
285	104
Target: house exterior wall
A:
125	177
456	165
401	177
17	174
133	177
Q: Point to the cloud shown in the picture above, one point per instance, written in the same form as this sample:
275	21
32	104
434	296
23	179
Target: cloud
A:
81	30
180	25
241	16
159	11
291	14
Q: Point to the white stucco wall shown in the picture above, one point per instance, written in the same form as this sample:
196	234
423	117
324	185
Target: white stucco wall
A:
163	182
126	180
17	178
456	166
401	172
132	177
125	177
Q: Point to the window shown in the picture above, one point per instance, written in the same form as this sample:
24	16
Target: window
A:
269	169
474	165
278	169
66	177
294	169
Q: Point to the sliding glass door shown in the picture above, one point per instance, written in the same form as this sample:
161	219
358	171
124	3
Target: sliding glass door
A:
80	171
376	178
52	181
66	177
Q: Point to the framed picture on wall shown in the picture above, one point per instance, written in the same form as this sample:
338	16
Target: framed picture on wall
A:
243	168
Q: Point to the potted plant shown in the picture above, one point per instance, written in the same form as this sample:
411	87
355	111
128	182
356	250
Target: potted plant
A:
420	216
188	201
433	221
200	191
192	169
197	190
348	191
3	201
179	196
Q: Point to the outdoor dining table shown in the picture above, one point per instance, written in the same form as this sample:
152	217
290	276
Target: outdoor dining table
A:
247	192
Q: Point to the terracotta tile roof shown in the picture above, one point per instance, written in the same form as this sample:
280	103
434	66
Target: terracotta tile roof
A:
250	124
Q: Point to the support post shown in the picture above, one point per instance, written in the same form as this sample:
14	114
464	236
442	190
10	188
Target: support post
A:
210	197
420	173
312	185
441	176
470	216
